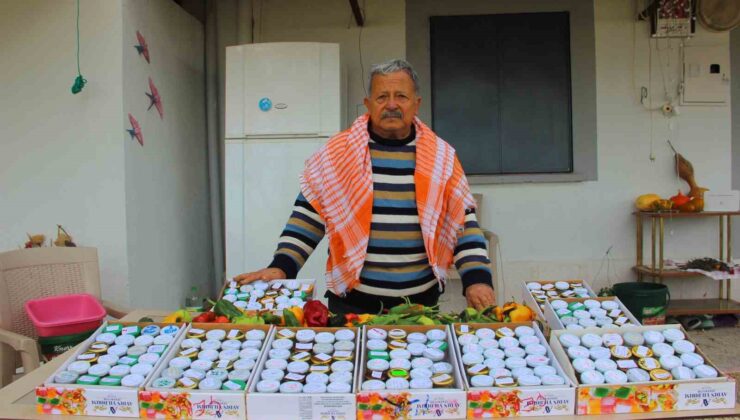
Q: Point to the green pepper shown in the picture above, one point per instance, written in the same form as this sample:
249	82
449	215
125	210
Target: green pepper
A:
225	308
271	318
290	319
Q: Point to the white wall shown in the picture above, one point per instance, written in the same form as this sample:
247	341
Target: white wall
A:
61	155
382	37
563	230
167	209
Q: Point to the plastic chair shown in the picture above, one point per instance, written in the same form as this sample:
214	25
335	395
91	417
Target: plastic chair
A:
492	240
35	273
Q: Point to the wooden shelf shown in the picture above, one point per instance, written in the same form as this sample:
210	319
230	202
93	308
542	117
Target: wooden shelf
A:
679	214
703	306
643	269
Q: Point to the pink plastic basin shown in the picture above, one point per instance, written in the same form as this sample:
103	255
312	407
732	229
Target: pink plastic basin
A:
65	314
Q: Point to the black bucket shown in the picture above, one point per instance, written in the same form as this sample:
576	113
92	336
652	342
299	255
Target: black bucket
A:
647	301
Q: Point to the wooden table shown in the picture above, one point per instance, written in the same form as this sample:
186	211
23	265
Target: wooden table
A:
18	400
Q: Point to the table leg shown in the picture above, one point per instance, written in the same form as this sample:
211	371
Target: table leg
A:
729	254
652	244
721	250
638	244
661	231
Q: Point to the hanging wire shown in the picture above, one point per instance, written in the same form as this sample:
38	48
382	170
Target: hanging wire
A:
80	81
359	47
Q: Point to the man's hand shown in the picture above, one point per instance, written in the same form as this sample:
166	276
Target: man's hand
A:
266	274
480	296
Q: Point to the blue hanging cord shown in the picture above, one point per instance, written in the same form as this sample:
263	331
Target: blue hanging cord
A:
79	80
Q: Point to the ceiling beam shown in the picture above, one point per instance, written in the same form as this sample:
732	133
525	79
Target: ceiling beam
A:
357	12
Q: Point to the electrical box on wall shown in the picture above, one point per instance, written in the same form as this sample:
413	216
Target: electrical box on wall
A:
706	75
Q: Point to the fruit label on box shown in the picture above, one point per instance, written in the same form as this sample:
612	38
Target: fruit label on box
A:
519	402
86	401
657	397
411	405
198	405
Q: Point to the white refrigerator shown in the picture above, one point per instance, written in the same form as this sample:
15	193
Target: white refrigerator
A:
283	101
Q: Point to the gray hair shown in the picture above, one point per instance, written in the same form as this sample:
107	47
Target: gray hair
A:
393	66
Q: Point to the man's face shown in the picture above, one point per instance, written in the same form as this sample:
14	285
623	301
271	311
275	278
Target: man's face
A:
392	104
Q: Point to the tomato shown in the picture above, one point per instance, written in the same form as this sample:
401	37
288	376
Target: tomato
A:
221	320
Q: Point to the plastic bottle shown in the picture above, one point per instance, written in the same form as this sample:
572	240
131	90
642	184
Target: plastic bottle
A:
194	303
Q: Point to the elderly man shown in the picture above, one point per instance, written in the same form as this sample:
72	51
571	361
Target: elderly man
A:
395	205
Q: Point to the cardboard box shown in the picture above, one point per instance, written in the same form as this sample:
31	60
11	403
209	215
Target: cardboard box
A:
156	403
436	403
532	303
312	282
543	400
264	406
643	397
553	320
95	400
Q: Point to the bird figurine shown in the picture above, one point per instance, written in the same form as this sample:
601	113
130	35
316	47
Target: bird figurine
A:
142	48
135	130
154	99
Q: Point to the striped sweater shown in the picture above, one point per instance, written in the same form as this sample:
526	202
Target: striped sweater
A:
396	263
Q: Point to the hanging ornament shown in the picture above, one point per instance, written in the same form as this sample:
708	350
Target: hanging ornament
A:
142	48
154	99
135	130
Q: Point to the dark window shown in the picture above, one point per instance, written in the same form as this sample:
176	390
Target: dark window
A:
501	92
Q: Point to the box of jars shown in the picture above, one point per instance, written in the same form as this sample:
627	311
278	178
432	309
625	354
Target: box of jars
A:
509	371
306	373
409	372
104	375
206	374
275	295
580	313
536	293
640	370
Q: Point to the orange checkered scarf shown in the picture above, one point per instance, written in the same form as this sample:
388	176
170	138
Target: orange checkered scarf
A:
338	183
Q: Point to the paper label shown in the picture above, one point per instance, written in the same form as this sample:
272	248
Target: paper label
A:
294	377
477	368
232	334
302	355
186	381
196	331
377	374
223	364
342	353
189	351
322	356
626	364
303	346
464	328
615	313
232	385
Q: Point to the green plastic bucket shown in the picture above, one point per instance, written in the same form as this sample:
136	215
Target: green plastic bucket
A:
56	345
647	301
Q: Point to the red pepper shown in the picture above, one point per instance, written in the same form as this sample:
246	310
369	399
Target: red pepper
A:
221	320
315	314
205	317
